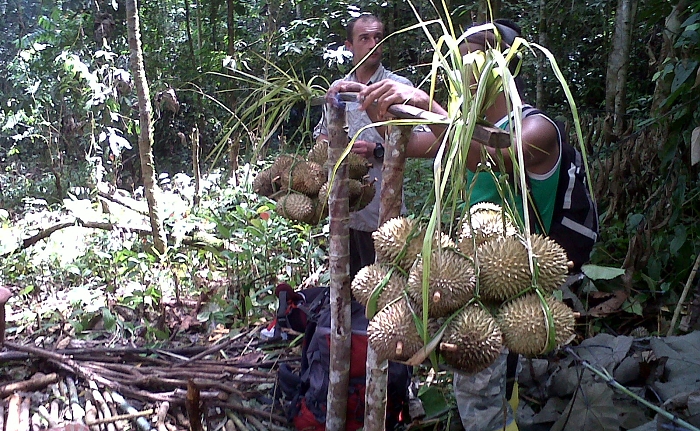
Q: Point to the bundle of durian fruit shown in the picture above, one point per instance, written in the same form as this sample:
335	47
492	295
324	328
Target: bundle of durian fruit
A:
481	291
300	186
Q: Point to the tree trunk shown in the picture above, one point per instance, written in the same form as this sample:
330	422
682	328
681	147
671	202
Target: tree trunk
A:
146	134
618	62
231	51
541	62
670	34
213	22
341	328
390	207
488	10
190	42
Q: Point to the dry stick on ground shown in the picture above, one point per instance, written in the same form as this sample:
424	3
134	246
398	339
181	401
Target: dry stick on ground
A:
13	412
141	422
28	242
688	283
91	415
126	202
24	408
161	415
38	381
127	416
50	418
75	407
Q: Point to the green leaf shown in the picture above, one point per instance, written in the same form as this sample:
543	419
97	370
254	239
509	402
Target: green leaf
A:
681	234
683	71
597	272
633	221
433	401
110	322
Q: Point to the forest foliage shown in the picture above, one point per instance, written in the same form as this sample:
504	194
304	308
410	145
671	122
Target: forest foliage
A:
243	74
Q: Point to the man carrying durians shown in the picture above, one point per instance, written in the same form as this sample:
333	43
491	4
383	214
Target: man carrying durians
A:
481	395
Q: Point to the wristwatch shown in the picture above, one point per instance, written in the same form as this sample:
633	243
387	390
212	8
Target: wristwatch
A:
379	151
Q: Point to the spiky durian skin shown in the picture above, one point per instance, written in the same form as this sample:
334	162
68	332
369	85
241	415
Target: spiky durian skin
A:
391	327
361	194
320	211
552	262
398	233
304	177
451	282
280	167
504	270
488	221
478	339
369	277
358	166
319	153
524	324
262	184
391	238
296	206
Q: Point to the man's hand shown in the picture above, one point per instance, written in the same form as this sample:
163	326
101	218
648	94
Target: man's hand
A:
388	92
342	87
364	148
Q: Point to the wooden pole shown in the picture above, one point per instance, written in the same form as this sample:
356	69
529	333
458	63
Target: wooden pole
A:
389	207
341	328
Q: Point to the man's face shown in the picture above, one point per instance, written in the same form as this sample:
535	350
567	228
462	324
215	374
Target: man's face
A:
366	35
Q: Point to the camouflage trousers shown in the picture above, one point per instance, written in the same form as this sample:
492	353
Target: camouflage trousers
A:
481	398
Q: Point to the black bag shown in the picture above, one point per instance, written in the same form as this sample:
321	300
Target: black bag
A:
575	217
307	390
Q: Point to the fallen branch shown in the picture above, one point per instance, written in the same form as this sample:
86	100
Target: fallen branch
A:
247	410
45	233
142	423
38	381
127	416
681	300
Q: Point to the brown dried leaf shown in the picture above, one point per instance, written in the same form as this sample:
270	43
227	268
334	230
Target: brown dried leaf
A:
610	306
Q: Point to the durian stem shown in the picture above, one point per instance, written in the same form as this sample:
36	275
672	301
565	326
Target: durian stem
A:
399	348
448	347
603	373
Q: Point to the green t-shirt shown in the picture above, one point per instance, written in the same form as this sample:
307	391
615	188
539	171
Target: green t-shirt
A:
543	188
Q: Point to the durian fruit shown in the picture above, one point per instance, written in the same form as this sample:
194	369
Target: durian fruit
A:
505	269
451	282
369	277
524	324
392	332
304	177
360	194
358	166
296	206
391	238
280	167
262	184
319	153
552	262
488	221
398	233
320	210
472	340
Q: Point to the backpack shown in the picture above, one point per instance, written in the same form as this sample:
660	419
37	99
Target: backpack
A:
306	391
575	218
